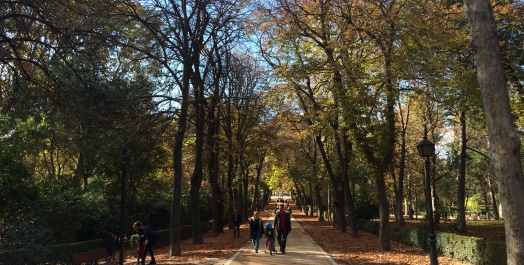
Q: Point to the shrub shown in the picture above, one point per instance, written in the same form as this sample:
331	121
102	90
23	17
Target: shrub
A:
472	249
366	210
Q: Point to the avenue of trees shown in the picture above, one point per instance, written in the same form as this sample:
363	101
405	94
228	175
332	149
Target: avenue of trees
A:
219	102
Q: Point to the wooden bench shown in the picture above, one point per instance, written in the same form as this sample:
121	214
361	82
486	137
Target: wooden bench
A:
93	255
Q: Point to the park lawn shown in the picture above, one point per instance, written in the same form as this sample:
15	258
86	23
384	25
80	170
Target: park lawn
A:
487	229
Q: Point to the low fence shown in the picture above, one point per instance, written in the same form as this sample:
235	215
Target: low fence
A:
61	254
185	232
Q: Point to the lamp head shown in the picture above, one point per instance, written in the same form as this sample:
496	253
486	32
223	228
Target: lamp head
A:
426	148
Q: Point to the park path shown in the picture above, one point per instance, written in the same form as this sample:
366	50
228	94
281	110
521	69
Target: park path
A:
300	249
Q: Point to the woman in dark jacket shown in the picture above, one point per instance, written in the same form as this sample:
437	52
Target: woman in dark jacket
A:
256	229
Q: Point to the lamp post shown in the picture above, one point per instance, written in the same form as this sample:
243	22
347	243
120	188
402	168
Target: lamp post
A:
122	205
426	149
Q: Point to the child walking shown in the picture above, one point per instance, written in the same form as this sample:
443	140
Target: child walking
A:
148	238
270	238
140	255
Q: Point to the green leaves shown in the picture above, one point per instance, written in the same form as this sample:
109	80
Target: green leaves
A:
17	193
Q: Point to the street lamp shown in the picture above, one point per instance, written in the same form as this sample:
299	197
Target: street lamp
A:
123	204
426	149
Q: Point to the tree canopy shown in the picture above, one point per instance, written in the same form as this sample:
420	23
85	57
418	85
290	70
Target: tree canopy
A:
220	103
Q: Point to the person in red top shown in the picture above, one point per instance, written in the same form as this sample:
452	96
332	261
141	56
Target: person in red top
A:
282	224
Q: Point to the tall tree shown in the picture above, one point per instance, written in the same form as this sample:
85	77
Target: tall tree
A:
308	44
182	34
242	112
213	135
461	185
174	38
404	119
223	20
382	34
503	138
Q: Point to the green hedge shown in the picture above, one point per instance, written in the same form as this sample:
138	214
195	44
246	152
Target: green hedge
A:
54	254
472	249
61	254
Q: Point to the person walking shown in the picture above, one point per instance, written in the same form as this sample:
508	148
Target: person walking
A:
282	224
288	207
148	238
256	228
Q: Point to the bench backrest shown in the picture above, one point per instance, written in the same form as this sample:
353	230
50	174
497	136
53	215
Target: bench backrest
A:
92	255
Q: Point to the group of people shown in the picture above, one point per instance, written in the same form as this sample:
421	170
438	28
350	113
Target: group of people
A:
148	238
281	225
280	228
285	204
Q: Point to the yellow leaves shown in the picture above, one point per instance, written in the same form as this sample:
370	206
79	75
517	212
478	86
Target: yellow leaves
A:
517	107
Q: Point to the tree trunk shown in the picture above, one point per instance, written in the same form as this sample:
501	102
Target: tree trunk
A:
343	148
410	199
395	194
245	182
255	206
321	149
78	173
486	204
339	196
503	138
493	198
265	198
300	201
383	214
434	194
303	200
174	225
213	143
461	185
194	194
196	180
213	166
320	205
237	187
199	106
228	131
399	194
399	191
329	199
340	208
312	200
350	202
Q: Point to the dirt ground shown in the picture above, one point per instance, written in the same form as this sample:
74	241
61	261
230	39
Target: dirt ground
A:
365	249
